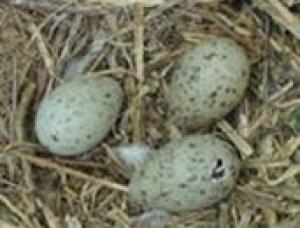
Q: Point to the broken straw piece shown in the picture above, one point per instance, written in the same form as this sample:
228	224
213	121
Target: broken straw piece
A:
128	2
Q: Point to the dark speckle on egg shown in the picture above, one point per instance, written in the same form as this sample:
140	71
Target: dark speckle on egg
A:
213	94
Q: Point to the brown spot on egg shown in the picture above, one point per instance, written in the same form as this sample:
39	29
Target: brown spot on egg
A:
192	77
178	203
54	138
164	194
192	99
107	95
223	104
182	185
210	56
202	192
88	137
200	160
213	94
143	193
192	145
193	159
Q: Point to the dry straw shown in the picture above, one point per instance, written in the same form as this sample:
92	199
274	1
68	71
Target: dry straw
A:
141	41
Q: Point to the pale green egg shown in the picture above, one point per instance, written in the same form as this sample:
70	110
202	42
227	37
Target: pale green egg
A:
209	80
190	173
78	114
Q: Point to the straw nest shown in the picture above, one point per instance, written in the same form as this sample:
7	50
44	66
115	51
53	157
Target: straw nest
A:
38	39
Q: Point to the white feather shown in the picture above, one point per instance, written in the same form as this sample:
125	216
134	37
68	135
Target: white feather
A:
133	154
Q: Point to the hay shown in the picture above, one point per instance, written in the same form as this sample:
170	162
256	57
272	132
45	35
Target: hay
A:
37	42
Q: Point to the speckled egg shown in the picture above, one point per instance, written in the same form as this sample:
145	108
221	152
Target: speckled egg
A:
190	173
208	82
78	114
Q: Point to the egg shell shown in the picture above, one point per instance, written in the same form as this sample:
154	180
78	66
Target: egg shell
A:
209	80
190	173
78	114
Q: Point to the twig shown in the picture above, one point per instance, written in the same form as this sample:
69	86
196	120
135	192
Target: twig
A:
280	14
127	2
245	149
139	59
22	111
292	171
48	60
50	4
45	163
16	211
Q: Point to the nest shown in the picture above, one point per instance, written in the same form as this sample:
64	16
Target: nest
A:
38	39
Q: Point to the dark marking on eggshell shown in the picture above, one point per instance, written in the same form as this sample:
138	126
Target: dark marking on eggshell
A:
54	138
223	104
218	171
143	193
107	95
200	160
182	185
213	94
88	136
210	56
202	192
192	99
164	194
192	145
